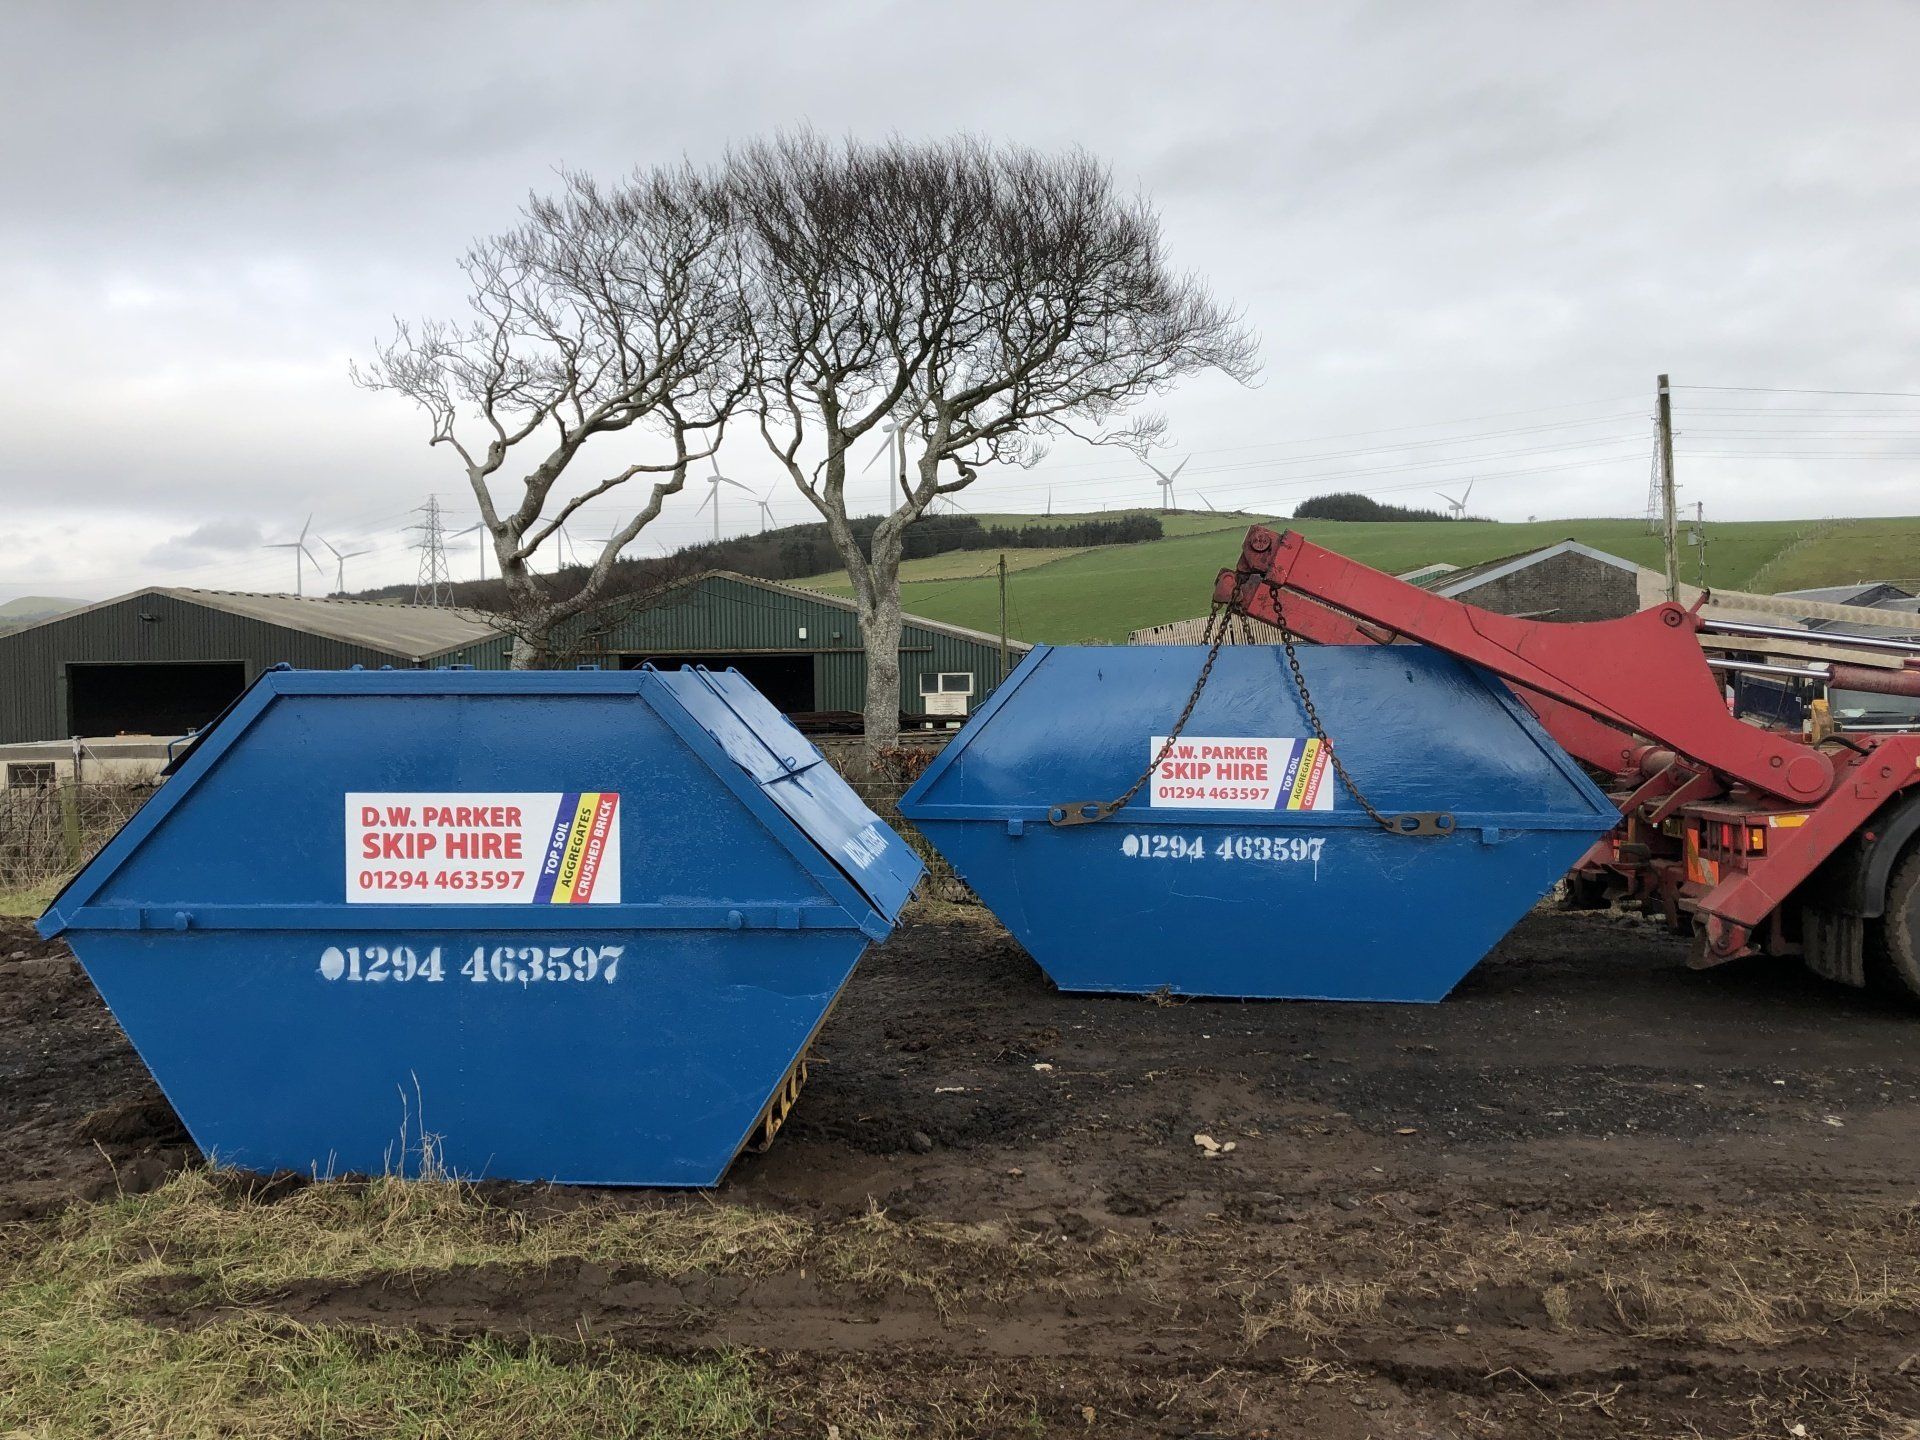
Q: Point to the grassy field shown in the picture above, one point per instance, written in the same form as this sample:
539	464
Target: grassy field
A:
162	1314
955	565
25	902
1102	594
177	1313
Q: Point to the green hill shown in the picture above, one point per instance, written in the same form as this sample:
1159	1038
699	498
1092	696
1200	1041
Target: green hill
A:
1104	593
31	609
37	607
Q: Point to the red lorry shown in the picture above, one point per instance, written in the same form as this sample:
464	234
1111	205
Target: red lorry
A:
1753	839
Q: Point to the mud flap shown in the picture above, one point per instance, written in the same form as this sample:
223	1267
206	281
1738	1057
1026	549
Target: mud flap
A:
1835	945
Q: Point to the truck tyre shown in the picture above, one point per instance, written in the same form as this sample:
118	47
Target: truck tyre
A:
1893	941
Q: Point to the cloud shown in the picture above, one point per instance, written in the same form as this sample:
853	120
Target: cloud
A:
214	540
1428	212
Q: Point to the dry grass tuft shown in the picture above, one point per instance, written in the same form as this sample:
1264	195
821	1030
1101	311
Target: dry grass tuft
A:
77	1356
73	1363
1752	1280
952	1263
240	1249
1316	1309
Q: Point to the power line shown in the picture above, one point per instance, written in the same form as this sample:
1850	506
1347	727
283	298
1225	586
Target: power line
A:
1790	390
1395	447
1437	461
1805	454
1284	482
1398	429
1485	477
1907	413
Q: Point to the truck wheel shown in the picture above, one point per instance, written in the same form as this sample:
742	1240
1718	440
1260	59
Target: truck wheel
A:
1893	941
1586	892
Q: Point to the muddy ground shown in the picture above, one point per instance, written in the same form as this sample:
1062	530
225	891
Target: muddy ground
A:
1593	1193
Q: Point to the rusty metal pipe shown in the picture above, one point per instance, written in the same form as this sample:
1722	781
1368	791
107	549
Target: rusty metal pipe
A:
1875	682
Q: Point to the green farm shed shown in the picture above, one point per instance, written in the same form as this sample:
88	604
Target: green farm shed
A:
164	660
803	649
160	661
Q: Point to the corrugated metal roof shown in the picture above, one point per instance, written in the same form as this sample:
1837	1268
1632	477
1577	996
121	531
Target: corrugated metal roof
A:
1453	582
1875	593
412	632
841	602
1194	632
418	632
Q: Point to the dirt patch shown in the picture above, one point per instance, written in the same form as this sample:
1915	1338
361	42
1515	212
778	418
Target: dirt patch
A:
1593	1193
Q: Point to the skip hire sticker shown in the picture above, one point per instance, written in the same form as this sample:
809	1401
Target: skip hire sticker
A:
1203	772
483	847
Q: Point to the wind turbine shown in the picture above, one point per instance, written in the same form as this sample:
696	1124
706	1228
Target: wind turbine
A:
715	481
1458	508
898	431
1166	480
478	525
340	558
766	510
299	547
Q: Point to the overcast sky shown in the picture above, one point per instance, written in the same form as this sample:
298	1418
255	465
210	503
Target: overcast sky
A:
1469	236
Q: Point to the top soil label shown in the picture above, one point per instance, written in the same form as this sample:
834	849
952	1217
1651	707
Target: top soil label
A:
487	848
1205	772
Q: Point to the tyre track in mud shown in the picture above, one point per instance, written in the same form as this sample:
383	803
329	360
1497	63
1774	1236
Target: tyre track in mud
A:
1582	1089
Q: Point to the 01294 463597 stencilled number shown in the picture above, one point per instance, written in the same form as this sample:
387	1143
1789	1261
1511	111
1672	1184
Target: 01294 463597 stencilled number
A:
1272	849
504	964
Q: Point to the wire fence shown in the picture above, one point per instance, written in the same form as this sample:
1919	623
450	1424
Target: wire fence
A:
880	784
49	831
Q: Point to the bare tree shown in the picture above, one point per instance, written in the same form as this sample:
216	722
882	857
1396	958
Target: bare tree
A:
977	298
606	310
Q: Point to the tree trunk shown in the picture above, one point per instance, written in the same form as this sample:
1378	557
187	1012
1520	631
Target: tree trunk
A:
880	629
528	614
877	589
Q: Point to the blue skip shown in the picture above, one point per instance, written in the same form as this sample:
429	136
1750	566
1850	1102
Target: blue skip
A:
567	926
1243	867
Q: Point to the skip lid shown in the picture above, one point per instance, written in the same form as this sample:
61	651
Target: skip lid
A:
796	777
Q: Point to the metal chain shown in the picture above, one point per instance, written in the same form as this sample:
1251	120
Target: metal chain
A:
1411	823
1219	624
1313	719
1085	812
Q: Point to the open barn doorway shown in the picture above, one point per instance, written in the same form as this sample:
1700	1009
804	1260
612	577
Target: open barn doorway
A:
786	680
150	698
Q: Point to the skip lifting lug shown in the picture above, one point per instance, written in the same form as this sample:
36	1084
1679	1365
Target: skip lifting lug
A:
1080	812
1421	822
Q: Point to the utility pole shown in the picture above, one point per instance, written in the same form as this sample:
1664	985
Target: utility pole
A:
1699	537
1003	615
1669	523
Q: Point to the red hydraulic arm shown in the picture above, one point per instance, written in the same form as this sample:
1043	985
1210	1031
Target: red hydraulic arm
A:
1643	675
1595	742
